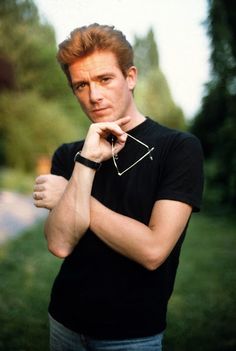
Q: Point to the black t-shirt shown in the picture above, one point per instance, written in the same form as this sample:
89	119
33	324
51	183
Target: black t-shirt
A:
99	292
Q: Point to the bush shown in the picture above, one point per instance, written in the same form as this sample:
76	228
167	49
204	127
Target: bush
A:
31	126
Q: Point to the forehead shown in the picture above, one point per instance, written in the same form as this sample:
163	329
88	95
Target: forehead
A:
94	64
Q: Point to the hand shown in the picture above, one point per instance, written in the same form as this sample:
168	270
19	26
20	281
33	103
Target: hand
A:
48	190
96	146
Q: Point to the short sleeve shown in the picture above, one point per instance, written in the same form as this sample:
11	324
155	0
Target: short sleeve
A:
182	173
59	162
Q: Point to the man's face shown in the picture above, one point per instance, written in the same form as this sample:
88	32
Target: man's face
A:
103	92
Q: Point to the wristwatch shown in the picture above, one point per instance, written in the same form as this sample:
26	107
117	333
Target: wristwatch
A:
86	162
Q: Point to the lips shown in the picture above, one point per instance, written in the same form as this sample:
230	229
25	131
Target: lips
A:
100	111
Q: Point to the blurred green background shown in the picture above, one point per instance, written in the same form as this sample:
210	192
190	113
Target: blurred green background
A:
38	112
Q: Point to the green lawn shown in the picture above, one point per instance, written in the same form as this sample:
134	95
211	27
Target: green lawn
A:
202	311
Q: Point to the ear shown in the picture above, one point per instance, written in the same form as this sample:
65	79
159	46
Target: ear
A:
132	77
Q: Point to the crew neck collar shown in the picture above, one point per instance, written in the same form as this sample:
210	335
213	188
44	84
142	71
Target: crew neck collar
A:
140	126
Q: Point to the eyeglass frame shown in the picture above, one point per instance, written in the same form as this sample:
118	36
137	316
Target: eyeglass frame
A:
115	156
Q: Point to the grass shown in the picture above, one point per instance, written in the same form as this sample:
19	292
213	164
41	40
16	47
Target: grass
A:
202	311
27	271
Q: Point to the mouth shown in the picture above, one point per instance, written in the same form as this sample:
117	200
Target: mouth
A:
100	111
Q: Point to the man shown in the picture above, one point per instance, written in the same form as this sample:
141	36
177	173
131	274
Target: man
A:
119	201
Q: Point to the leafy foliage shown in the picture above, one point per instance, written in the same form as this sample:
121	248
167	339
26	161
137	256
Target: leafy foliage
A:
216	123
146	52
31	128
154	99
40	111
153	93
28	45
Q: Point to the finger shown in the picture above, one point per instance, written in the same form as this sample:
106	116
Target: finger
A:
110	127
105	128
35	196
124	120
120	143
121	140
38	195
43	204
41	179
39	203
121	122
39	187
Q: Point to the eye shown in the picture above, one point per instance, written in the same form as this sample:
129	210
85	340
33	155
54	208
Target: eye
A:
106	80
79	87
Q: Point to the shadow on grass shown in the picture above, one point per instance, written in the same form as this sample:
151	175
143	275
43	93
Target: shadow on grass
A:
202	311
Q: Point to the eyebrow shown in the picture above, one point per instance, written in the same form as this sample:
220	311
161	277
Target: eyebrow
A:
105	74
78	82
98	77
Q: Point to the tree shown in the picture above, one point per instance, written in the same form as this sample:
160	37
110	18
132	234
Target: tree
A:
31	47
30	128
153	93
146	52
216	123
39	111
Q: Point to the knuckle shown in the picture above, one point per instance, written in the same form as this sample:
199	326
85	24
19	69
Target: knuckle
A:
93	126
38	179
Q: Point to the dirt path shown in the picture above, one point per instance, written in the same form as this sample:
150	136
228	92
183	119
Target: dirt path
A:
17	213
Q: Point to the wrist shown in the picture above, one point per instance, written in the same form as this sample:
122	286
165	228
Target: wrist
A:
87	162
92	155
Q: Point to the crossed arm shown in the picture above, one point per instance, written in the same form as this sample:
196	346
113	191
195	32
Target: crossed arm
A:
73	211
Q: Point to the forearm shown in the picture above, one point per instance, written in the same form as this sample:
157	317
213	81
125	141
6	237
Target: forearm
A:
70	218
125	235
149	245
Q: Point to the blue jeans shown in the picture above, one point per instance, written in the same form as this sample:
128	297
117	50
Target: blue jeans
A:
64	339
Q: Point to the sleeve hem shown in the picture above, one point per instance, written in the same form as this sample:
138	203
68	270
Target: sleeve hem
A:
182	198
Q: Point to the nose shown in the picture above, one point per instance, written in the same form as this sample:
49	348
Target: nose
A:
95	93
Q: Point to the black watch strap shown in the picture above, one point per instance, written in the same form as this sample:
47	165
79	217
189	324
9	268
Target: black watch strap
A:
86	162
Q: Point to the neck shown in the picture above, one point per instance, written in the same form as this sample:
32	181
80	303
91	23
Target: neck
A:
136	119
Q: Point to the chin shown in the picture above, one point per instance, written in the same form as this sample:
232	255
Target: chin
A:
100	119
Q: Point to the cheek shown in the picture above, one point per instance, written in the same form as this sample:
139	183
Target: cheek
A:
124	97
120	95
82	103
